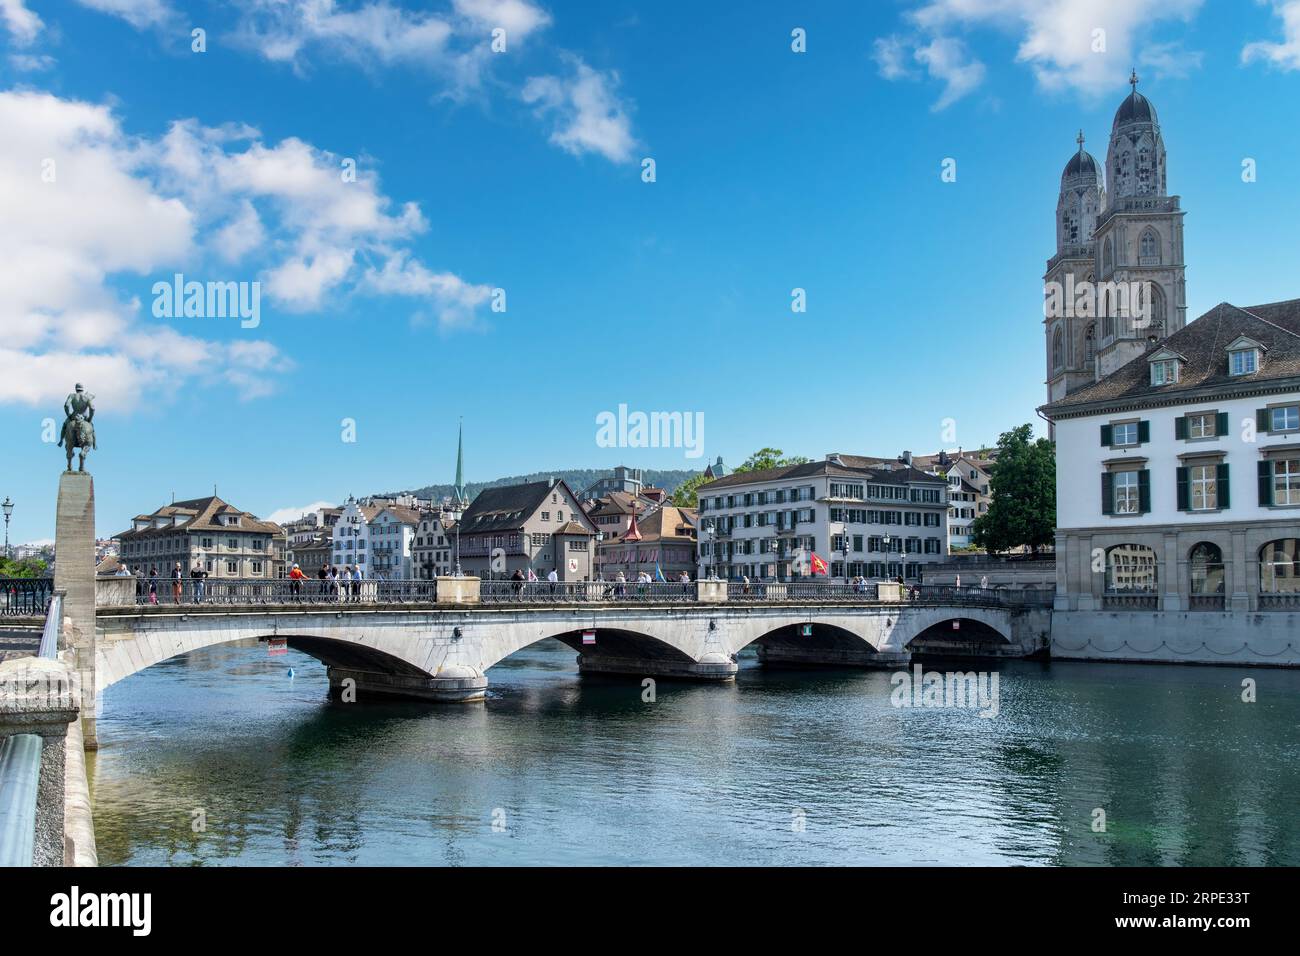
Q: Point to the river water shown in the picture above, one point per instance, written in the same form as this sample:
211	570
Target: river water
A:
220	757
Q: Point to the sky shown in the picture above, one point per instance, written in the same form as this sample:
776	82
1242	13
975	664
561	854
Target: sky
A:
444	211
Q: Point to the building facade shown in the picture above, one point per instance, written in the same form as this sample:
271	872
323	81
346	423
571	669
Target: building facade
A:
1178	476
433	550
225	541
861	517
351	535
663	545
538	526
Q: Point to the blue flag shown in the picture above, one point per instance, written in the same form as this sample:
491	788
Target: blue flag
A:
659	574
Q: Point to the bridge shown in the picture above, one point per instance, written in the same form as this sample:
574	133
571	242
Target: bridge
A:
429	640
437	640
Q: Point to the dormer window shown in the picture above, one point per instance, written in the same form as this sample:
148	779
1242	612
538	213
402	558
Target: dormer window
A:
1244	356
1243	362
1164	373
1166	367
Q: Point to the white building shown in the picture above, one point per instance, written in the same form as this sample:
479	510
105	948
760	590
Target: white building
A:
1178	489
392	534
859	515
351	535
433	553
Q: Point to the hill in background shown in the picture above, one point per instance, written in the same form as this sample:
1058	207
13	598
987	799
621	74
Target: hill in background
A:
576	478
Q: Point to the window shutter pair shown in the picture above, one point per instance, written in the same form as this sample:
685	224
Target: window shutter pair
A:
1265	484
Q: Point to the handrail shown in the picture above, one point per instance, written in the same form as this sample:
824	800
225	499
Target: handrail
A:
20	767
20	773
53	622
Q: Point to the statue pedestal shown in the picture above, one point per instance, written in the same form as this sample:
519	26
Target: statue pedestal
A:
74	575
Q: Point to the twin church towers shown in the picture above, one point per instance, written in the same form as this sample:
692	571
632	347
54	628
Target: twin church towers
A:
1118	231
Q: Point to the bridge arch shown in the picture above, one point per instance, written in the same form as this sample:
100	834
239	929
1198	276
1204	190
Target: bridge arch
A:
961	635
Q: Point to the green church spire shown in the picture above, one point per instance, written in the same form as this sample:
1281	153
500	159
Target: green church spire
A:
460	461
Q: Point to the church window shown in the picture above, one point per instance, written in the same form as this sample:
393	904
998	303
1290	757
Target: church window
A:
1090	343
1149	248
1058	348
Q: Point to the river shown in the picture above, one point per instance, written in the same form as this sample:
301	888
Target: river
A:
220	757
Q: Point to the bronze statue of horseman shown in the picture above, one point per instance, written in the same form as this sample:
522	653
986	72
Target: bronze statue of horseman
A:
78	431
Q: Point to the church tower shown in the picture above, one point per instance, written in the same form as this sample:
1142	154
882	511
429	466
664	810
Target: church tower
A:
1139	236
1072	337
1123	234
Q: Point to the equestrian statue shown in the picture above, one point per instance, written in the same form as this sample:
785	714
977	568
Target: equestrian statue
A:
78	432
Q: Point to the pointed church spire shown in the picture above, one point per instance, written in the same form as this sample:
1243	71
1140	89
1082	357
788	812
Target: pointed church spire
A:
460	462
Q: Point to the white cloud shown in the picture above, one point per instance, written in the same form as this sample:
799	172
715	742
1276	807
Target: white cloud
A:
30	62
1059	41
23	25
1169	60
1286	54
116	209
891	56
457	300
585	113
946	60
139	13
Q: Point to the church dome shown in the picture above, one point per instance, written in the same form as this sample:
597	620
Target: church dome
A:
1081	163
1135	108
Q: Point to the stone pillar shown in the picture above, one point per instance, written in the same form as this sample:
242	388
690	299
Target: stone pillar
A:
1170	574
711	591
74	575
454	590
1238	583
1063	561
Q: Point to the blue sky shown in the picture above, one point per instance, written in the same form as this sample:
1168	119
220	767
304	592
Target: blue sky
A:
522	171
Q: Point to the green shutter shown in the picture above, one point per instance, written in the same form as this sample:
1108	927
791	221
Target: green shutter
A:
1261	420
1221	426
1107	493
1184	496
1144	432
1265	484
1105	436
1144	491
1180	428
1221	478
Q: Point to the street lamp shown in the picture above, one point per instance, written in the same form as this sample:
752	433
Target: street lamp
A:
886	541
8	507
709	534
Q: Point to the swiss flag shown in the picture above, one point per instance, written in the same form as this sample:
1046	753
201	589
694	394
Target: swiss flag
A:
818	565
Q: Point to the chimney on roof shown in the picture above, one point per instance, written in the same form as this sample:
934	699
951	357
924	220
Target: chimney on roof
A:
834	458
552	481
906	458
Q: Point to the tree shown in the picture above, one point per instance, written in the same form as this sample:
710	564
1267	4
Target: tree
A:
1022	509
769	458
26	568
685	494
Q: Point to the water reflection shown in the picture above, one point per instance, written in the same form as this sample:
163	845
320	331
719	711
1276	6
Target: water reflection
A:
583	771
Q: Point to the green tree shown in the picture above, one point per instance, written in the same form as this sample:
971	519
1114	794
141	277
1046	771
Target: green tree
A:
26	568
1022	509
769	458
685	495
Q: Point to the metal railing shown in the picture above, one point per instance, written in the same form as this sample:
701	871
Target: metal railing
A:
586	592
831	592
20	767
1130	602
188	592
25	597
1205	602
1279	601
275	591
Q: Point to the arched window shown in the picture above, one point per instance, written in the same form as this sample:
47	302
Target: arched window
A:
1107	258
1149	248
1090	343
1131	569
1206	565
1159	313
1279	567
1058	348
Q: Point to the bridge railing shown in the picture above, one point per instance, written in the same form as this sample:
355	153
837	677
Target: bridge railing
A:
586	592
835	592
25	597
257	591
1003	597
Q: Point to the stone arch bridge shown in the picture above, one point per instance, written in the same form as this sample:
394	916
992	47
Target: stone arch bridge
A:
443	653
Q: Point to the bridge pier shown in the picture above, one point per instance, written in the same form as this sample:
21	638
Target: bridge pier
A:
786	655
453	685
712	667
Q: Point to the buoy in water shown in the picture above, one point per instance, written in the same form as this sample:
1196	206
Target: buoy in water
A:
290	673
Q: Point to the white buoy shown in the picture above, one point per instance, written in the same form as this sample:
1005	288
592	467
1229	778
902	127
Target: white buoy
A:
290	673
